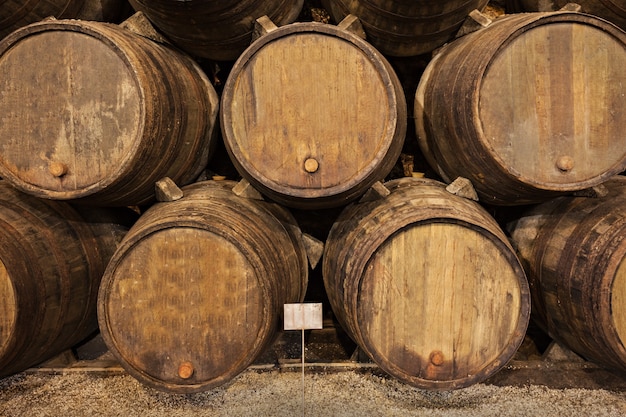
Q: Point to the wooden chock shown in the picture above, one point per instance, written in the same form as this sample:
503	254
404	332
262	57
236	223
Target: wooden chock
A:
597	191
166	190
476	20
352	24
138	23
262	26
314	249
246	190
571	7
463	188
375	192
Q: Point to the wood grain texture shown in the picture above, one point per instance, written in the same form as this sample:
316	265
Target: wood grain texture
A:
532	112
195	292
52	258
406	28
612	10
105	115
219	31
15	14
573	250
427	285
312	115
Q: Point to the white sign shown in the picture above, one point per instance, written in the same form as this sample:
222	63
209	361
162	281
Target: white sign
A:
301	316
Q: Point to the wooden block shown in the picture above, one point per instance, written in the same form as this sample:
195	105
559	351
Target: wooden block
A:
314	249
474	21
139	24
463	188
262	26
376	192
352	24
598	191
571	7
167	190
246	190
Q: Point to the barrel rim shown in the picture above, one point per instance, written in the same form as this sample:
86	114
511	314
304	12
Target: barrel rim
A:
292	196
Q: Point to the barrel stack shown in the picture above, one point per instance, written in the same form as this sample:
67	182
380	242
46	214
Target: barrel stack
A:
511	110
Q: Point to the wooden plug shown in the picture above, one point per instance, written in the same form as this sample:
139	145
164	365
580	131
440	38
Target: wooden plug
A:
166	190
314	249
376	192
246	190
140	25
262	26
476	20
463	188
352	24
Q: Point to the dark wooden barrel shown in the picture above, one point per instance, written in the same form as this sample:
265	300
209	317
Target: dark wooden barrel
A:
103	115
312	115
195	292
218	30
406	27
573	250
526	108
15	14
427	284
612	10
52	257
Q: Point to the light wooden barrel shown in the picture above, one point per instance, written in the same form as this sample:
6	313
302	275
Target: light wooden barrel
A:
427	285
312	115
527	107
219	30
15	14
102	116
196	290
406	27
52	258
573	250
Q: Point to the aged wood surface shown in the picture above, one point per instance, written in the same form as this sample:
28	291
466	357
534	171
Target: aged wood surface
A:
530	113
51	260
427	285
312	115
573	250
105	115
216	30
195	292
406	28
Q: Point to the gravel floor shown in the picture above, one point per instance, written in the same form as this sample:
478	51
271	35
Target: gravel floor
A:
279	393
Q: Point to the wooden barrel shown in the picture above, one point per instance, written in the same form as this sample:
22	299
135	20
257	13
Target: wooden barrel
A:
52	257
406	27
103	115
312	115
612	10
526	108
15	14
196	290
573	250
427	284
218	30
